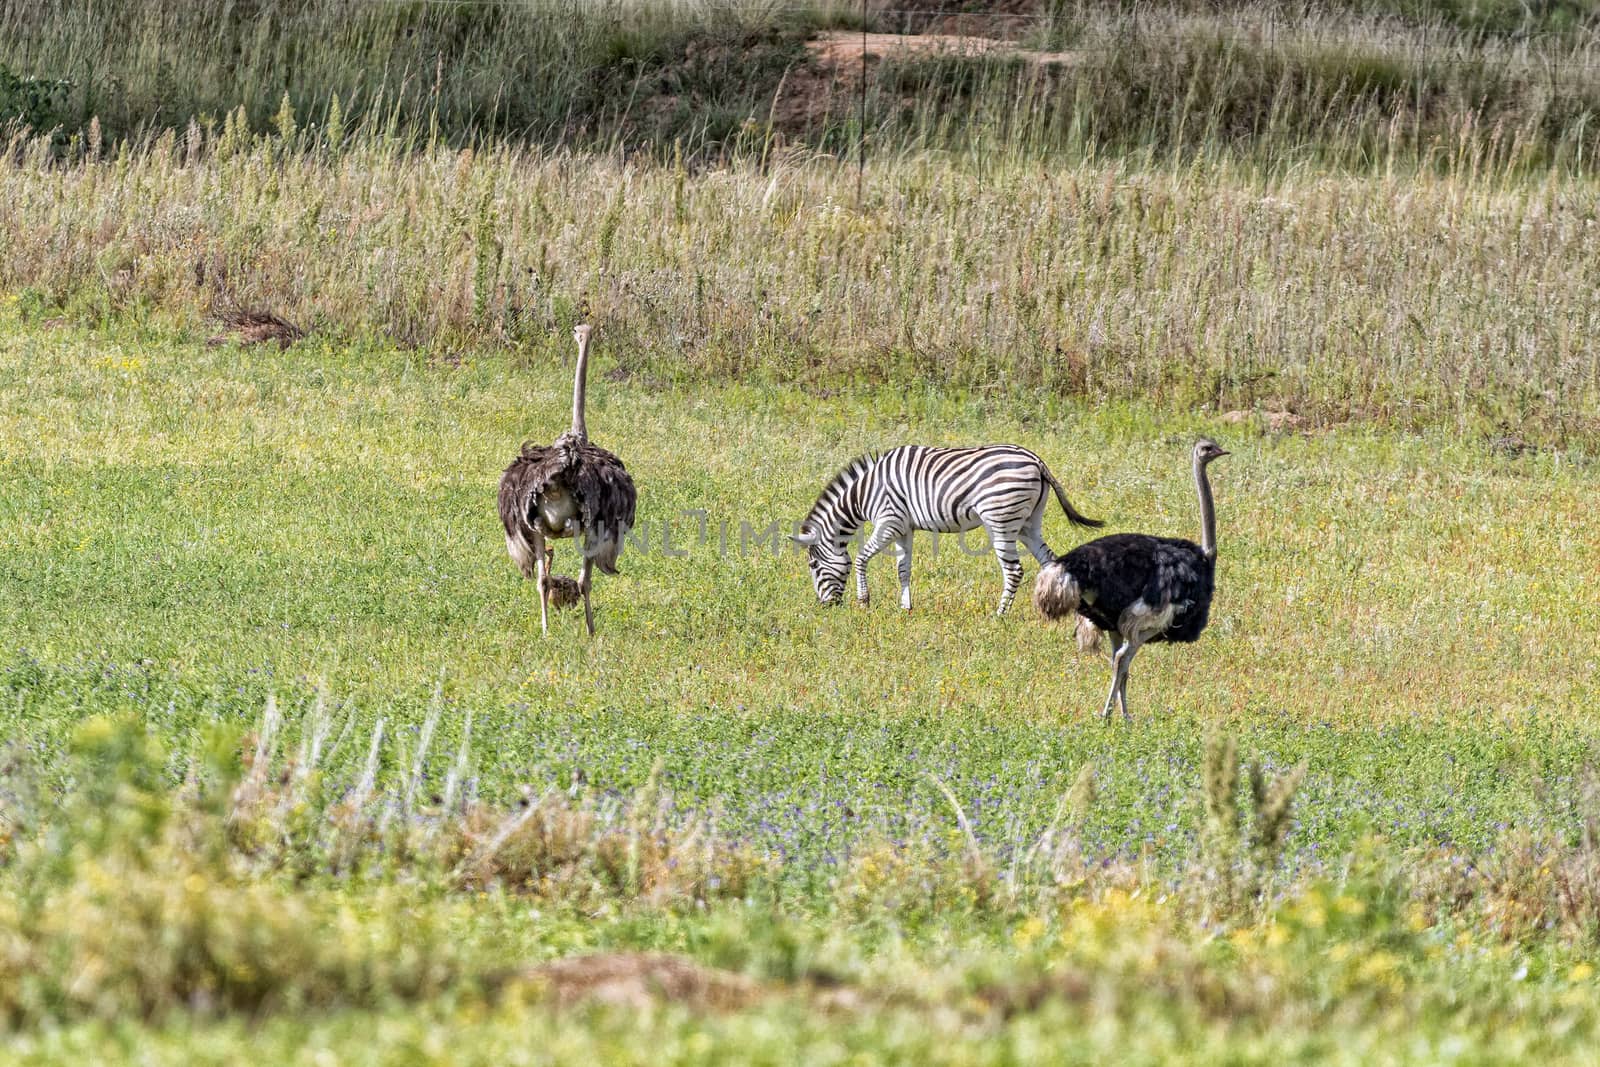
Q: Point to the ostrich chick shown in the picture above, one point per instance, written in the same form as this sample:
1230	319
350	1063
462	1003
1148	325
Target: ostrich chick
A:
564	591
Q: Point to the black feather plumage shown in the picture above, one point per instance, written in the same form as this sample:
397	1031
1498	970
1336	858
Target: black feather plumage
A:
1119	570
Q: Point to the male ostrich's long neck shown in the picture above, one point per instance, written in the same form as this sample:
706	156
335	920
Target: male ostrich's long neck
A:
1208	512
579	427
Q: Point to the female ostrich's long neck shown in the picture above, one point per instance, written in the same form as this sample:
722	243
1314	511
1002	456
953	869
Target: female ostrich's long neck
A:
579	427
1208	512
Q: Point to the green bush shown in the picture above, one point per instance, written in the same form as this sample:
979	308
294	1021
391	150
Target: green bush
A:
37	103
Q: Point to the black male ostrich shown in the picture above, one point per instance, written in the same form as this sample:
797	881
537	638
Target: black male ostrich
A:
567	489
1141	587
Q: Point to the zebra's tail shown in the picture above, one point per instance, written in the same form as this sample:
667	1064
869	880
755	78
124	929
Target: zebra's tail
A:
1066	505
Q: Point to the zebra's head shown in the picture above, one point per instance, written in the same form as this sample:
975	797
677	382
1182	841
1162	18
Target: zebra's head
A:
829	563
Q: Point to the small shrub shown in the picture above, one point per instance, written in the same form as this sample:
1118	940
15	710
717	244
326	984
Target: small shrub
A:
35	103
1243	851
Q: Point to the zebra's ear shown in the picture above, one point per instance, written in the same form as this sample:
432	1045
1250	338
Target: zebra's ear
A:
805	537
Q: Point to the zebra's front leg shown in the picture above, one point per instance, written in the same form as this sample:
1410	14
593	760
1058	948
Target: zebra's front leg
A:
882	536
903	561
1005	550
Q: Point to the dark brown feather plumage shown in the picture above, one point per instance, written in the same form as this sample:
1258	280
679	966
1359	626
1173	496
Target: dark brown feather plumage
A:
595	477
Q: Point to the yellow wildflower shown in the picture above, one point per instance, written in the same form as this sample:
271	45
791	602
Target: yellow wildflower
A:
1346	905
1028	932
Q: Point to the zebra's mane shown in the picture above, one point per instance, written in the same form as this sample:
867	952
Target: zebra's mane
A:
839	483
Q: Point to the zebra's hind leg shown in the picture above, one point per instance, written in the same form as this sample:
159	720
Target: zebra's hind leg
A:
1005	550
903	563
883	534
1031	536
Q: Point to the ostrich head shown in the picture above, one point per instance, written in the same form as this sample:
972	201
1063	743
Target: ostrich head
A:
1206	450
830	565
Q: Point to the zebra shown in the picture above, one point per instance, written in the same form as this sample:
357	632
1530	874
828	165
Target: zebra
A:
1002	488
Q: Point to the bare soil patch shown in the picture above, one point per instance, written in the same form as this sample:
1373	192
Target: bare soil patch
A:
842	47
638	979
1276	421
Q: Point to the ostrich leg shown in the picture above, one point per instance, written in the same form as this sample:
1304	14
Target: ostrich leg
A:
1122	688
542	579
583	584
1120	662
1116	672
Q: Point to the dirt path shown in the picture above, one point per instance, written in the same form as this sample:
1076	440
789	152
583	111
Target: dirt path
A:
840	47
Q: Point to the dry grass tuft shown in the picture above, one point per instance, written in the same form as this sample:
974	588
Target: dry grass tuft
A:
557	848
245	327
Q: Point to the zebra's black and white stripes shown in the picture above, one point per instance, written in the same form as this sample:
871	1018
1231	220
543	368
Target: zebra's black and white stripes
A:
1002	488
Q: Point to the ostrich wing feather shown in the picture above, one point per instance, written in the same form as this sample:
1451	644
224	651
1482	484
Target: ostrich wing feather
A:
1118	571
607	500
595	478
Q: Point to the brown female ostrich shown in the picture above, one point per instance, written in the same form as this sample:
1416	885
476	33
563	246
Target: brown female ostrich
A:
570	488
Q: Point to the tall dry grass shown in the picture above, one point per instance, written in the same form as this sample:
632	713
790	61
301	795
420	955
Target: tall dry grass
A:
1408	297
549	69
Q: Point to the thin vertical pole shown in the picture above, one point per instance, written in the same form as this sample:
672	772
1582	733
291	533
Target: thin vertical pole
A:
861	154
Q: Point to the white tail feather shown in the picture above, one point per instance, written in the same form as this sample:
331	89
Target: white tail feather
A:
521	554
1055	592
1088	635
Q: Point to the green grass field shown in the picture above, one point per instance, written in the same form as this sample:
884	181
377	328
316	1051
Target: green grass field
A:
187	530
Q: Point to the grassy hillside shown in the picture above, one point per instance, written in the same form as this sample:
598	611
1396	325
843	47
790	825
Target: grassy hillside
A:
1353	86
